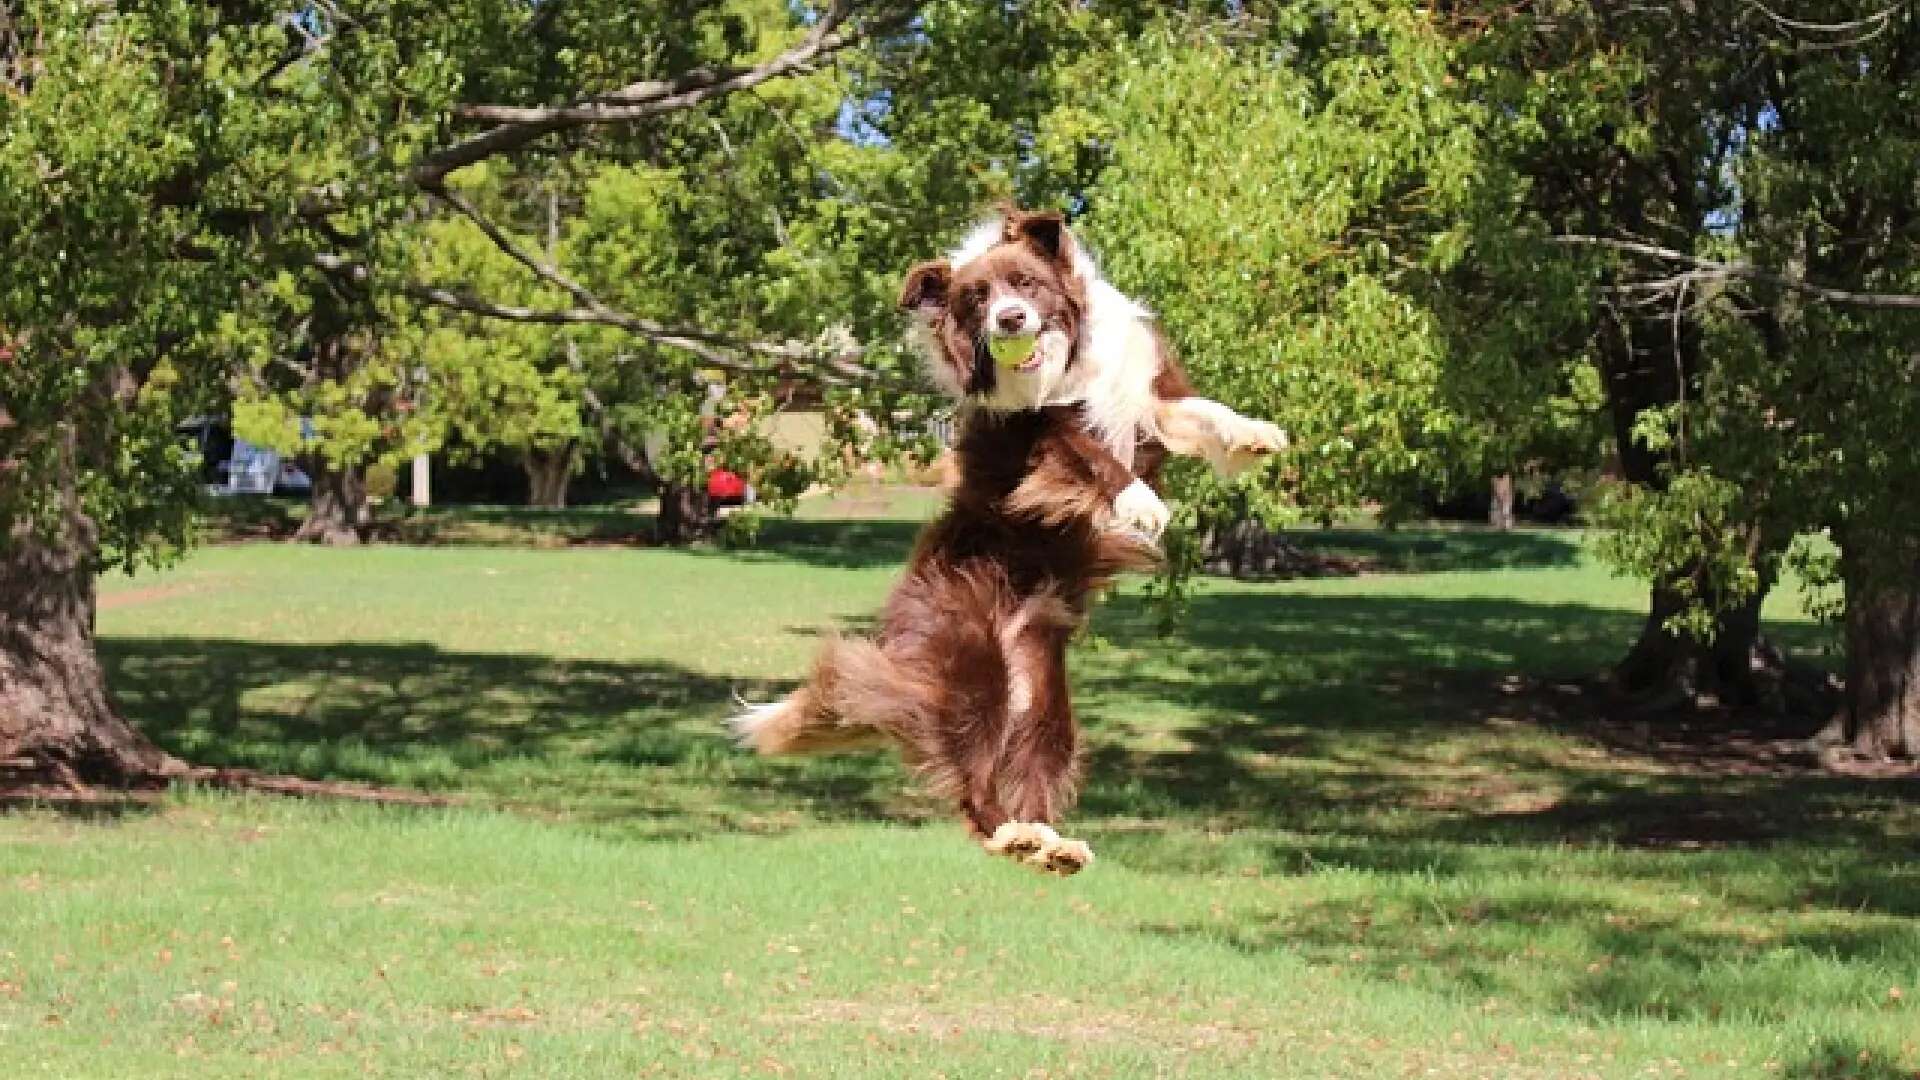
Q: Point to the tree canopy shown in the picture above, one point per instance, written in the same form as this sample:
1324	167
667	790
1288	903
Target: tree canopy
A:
1436	242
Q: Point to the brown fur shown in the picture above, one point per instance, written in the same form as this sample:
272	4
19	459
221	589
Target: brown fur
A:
990	599
967	674
1031	264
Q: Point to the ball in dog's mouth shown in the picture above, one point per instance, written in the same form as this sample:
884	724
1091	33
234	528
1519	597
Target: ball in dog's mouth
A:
1014	352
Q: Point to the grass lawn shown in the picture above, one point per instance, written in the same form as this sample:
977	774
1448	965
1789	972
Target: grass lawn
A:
1329	844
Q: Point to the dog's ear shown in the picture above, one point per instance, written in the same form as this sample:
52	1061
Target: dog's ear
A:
925	292
1044	229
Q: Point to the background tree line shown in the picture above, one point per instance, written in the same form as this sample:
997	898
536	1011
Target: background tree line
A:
1439	243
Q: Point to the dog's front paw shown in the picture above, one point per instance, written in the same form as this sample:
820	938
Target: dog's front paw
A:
1022	840
1139	510
1247	443
1257	437
1065	857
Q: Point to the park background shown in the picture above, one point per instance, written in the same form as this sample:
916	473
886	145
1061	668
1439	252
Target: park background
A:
1376	791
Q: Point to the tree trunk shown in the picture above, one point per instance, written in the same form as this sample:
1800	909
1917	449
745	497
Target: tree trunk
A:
1722	671
548	474
1500	513
55	717
685	515
1880	716
1643	372
337	515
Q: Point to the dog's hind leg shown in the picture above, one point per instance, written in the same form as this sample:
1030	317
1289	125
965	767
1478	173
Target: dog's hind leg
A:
1039	766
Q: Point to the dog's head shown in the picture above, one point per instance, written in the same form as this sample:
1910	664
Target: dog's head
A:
1002	328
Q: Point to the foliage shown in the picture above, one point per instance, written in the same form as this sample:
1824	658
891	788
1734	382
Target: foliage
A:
144	265
1740	140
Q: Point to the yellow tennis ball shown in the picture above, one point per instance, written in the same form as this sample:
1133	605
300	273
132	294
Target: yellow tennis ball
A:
1011	351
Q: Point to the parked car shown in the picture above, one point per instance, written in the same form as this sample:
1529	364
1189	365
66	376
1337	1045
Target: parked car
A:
230	466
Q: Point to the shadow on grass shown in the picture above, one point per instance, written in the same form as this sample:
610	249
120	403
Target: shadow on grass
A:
867	541
857	544
1322	713
624	743
89	808
882	542
1845	1059
1312	713
1431	550
1466	846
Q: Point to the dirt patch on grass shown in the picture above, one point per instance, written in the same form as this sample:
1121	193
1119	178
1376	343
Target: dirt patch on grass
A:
1703	779
149	594
1720	741
1031	1016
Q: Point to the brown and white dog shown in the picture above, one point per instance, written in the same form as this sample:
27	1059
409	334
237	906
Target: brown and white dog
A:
1066	391
967	674
1138	399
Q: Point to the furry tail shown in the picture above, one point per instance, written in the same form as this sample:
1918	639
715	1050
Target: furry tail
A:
766	727
857	697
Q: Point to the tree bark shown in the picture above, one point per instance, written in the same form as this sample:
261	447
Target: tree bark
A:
1880	716
337	515
1720	671
1500	513
548	474
685	515
55	717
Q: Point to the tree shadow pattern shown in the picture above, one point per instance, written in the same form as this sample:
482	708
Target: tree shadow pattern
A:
1281	734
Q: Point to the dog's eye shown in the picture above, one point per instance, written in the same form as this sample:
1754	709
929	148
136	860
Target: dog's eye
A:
1020	281
974	296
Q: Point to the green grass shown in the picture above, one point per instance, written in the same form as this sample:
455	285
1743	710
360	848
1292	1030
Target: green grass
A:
1329	844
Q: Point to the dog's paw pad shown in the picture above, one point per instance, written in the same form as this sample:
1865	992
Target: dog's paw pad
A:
1063	857
1021	839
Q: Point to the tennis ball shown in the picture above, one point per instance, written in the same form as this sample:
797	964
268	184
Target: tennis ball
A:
1011	351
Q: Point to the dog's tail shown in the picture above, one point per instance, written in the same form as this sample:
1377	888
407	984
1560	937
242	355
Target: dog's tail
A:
857	697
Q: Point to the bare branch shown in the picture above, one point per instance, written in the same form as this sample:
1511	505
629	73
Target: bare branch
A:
1809	33
835	367
544	270
1876	19
517	126
1710	268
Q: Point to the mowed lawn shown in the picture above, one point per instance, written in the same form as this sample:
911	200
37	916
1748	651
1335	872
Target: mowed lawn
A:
1329	843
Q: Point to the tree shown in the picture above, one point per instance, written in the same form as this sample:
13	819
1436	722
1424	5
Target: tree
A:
141	264
1749	219
1316	275
259	159
1617	115
1815	299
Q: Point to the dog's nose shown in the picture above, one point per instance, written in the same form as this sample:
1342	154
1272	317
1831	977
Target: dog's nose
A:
1011	320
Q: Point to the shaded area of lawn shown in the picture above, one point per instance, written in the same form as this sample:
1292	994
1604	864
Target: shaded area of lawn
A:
1333	772
1275	711
866	525
862	525
635	746
1439	550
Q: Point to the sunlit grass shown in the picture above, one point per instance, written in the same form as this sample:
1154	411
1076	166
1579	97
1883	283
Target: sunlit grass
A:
1329	844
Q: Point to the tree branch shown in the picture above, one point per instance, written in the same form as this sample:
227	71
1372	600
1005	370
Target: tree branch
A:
835	367
516	126
1711	268
544	270
1878	18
